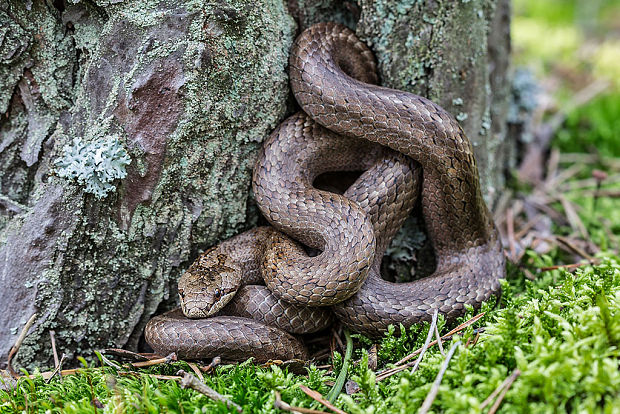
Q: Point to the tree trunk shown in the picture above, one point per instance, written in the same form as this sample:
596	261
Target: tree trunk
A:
130	130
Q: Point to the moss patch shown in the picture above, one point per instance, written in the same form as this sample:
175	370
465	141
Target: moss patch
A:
561	331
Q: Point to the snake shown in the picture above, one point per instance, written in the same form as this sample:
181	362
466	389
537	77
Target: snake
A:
410	150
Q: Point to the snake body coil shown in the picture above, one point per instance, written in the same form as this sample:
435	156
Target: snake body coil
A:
351	124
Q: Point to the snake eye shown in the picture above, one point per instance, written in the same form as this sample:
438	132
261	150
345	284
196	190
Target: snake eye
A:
217	293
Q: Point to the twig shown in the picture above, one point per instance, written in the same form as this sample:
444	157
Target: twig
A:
527	226
583	96
499	400
601	193
573	217
439	344
588	158
165	360
58	369
398	368
157	376
107	361
474	342
18	344
48	374
528	274
321	355
342	375
563	176
388	373
446	336
332	342
316	396
571	246
503	387
510	229
431	331
190	381
552	166
567	266
432	394
338	340
586	183
541	205
53	339
319	338
528	170
214	363
502	203
163	377
123	353
593	158
194	368
281	405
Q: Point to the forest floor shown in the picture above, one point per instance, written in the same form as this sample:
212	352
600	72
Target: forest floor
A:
551	343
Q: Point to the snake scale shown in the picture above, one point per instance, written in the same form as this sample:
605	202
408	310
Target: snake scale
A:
408	148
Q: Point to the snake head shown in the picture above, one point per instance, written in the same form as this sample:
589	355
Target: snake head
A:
208	285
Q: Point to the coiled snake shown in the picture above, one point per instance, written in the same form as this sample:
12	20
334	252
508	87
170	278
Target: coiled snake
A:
407	146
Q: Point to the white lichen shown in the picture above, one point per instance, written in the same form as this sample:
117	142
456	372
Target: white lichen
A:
95	165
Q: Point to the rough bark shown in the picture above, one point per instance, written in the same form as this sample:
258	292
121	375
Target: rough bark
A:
188	89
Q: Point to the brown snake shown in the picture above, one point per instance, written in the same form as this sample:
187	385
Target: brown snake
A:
351	124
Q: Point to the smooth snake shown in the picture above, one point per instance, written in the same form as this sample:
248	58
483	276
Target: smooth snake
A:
407	147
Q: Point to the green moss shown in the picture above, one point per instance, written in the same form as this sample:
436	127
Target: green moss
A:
561	331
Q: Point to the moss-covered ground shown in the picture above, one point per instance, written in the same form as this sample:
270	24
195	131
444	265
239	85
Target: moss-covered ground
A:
560	331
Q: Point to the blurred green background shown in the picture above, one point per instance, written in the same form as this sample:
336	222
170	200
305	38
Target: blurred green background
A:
569	46
571	51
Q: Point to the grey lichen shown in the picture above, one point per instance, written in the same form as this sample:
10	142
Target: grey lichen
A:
461	116
524	99
525	92
95	165
14	41
37	68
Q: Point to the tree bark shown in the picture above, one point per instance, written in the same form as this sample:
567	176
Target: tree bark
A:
187	91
